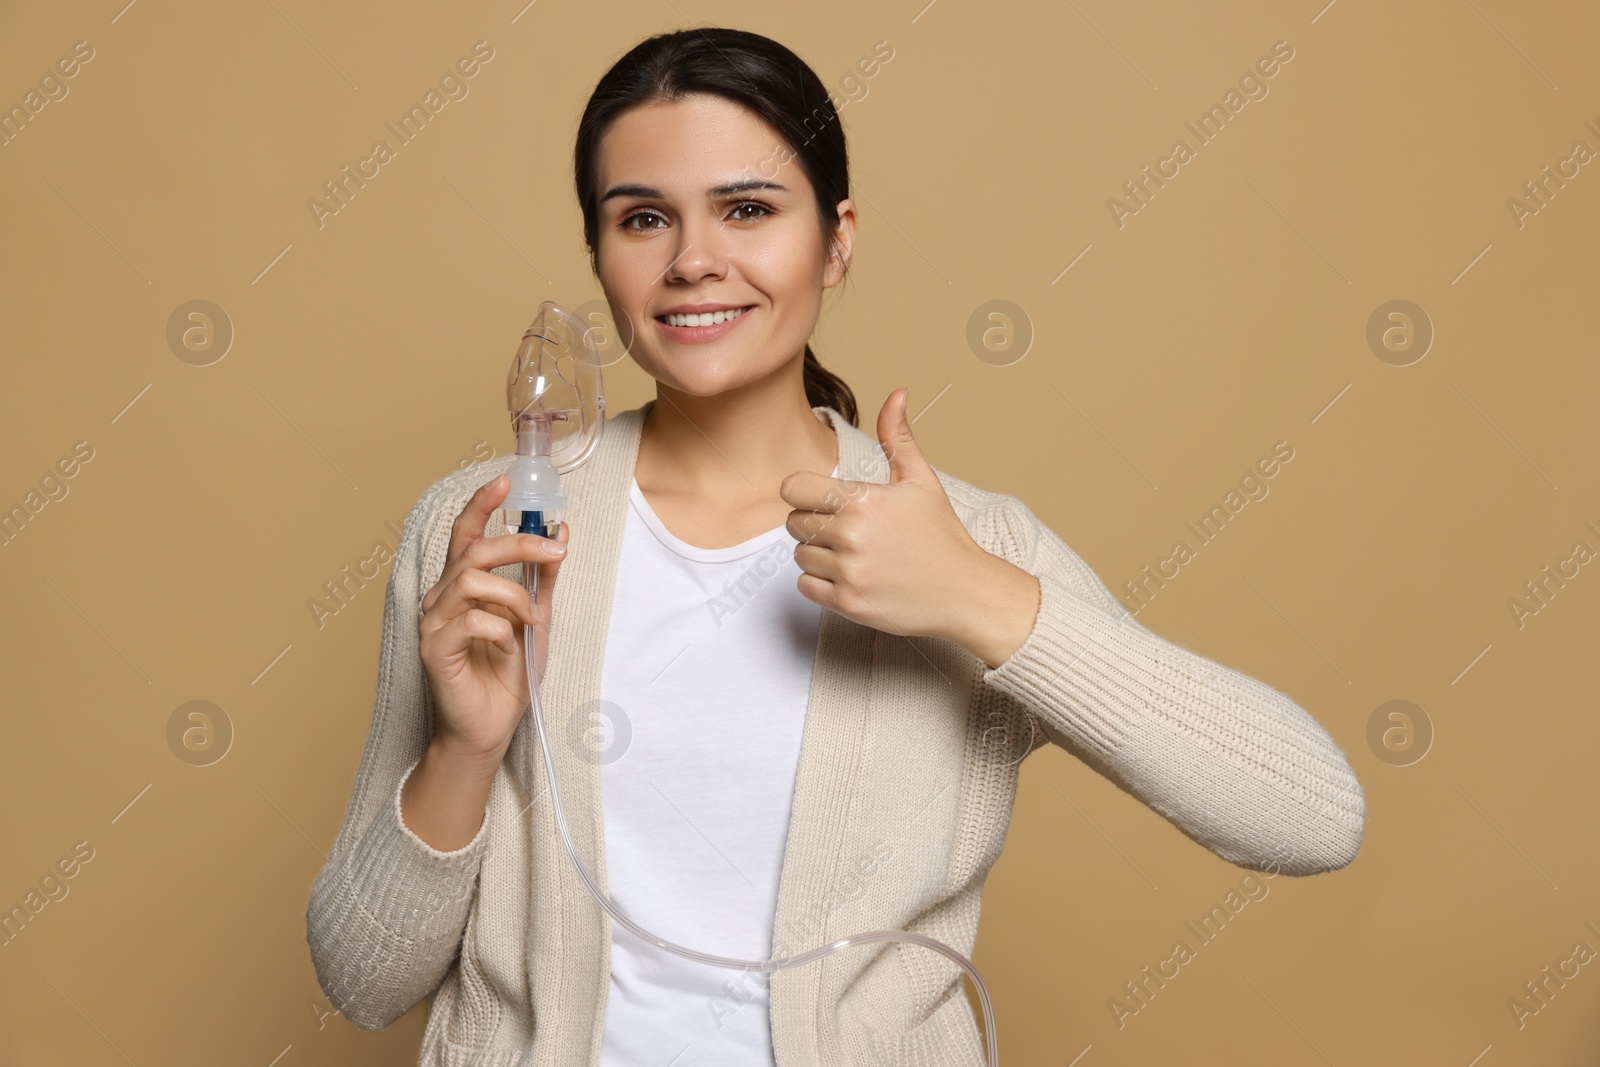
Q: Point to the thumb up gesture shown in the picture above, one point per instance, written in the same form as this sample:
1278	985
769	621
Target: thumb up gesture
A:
896	557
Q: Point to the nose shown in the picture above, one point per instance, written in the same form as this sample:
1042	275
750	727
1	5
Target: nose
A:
698	253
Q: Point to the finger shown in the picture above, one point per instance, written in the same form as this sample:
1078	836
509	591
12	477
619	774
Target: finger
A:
810	491
490	552
817	561
469	525
547	576
818	528
906	461
477	625
475	588
818	591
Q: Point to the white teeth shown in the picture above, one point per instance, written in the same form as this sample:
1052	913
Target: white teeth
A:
710	318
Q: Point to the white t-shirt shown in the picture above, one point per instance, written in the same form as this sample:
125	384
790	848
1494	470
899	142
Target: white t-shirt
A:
706	678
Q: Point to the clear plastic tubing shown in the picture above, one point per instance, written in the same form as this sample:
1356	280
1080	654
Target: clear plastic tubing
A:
530	581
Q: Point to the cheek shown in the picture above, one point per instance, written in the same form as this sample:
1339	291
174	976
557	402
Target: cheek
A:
627	268
789	270
627	277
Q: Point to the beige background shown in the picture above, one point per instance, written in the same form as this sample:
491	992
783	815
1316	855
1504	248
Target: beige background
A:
1228	314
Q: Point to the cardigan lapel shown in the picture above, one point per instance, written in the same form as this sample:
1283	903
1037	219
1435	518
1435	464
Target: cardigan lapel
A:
569	988
825	784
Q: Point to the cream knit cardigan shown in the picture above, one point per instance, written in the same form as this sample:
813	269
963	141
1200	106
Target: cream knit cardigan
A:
903	793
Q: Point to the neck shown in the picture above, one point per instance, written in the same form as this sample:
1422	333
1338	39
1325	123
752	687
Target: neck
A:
736	445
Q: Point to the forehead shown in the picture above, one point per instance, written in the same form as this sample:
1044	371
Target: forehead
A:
684	147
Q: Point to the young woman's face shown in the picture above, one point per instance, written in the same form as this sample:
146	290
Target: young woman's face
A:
672	236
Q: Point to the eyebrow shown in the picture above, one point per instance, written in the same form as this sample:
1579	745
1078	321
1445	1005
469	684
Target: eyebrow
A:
649	192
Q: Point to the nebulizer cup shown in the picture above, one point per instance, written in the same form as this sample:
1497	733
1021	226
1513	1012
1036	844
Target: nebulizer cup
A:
555	392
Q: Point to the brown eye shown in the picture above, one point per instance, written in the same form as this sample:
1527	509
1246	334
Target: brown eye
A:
646	213
765	210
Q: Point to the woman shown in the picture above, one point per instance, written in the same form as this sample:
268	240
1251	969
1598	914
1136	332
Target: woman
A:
828	656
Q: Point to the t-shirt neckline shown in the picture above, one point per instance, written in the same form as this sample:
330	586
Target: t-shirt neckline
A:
683	548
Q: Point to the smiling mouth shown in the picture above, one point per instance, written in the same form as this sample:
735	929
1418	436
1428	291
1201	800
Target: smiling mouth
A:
709	318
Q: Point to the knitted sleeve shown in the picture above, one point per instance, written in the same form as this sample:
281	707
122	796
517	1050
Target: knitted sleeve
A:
1234	764
387	912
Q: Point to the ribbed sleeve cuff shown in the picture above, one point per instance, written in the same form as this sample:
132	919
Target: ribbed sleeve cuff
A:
411	889
1057	667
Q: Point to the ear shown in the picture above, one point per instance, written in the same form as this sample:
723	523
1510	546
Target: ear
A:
841	241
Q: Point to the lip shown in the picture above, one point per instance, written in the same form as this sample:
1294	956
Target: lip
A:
700	309
700	334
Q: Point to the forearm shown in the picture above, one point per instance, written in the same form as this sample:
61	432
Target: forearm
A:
444	799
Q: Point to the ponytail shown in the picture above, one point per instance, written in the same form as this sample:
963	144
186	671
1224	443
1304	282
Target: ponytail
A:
826	389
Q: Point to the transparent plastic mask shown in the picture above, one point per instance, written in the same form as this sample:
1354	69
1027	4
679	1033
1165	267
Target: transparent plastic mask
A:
556	395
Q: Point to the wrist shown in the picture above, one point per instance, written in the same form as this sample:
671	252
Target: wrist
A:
464	760
445	797
997	609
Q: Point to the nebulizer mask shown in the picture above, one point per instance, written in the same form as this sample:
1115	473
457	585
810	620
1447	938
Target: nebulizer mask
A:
556	397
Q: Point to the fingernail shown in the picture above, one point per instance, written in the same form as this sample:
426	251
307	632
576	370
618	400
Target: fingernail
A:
557	548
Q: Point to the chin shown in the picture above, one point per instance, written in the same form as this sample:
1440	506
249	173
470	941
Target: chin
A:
702	380
702	385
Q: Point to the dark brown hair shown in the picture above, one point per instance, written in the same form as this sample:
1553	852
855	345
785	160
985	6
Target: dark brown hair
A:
757	73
